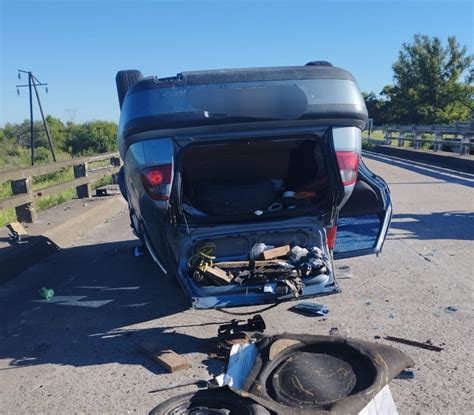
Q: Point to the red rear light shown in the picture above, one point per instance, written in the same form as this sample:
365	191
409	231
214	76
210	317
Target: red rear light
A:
157	181
348	162
154	177
331	237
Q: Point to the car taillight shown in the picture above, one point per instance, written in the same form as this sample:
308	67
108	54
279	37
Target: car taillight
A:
157	181
331	237
348	162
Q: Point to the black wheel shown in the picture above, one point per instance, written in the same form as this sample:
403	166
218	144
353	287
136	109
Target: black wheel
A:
210	402
319	63
124	80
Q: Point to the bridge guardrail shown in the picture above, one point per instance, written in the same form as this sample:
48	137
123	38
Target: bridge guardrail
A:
24	196
463	140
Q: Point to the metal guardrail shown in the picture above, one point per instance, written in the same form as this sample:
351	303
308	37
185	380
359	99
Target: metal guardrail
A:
24	196
463	140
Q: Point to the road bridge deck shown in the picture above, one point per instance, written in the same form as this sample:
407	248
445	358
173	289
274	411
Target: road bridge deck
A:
78	352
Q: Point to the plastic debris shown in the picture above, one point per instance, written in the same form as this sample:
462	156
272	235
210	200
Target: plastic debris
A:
46	293
452	308
406	375
311	308
297	253
241	360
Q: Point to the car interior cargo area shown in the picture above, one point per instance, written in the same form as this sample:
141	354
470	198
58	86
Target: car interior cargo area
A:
279	270
255	179
257	263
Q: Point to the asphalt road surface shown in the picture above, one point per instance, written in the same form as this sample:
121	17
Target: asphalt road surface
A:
78	351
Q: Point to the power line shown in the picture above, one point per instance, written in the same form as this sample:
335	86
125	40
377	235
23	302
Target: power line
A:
33	82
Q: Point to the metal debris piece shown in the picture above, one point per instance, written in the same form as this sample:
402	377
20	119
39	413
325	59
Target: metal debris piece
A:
414	343
254	324
201	384
310	307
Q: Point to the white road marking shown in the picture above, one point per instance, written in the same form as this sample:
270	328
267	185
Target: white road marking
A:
75	300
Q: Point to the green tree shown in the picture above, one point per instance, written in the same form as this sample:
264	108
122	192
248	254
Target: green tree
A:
377	108
429	85
91	137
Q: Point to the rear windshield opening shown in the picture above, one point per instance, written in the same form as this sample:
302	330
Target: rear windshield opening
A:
254	179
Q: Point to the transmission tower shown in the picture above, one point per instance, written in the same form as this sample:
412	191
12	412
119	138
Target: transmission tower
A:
32	84
72	113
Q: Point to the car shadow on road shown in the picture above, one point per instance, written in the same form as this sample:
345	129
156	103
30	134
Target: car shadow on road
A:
437	225
106	304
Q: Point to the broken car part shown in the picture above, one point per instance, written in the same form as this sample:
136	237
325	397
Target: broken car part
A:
254	324
307	374
320	374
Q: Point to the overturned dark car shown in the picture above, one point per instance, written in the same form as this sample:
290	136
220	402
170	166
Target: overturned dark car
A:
245	184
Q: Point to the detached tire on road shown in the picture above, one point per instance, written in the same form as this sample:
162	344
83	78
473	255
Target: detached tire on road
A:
124	80
212	401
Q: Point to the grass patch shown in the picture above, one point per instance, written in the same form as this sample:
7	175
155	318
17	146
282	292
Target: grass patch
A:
375	134
52	179
47	202
7	216
103	181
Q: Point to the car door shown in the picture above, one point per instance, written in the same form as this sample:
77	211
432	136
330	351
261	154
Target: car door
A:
364	220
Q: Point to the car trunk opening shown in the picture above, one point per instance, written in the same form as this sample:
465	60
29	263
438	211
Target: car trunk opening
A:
258	179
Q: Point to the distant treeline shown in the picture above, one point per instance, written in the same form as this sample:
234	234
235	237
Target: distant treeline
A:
69	140
433	84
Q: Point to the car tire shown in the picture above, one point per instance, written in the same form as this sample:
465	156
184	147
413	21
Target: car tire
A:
213	400
319	63
124	80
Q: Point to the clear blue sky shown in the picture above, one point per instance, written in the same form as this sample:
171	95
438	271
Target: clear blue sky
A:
78	46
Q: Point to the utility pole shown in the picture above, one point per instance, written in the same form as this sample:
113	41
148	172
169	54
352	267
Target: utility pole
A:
33	83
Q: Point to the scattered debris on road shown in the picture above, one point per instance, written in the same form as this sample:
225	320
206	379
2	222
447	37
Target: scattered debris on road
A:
452	308
235	327
46	293
406	375
309	307
167	358
310	372
201	384
18	232
414	343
